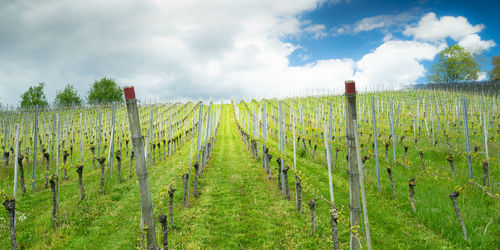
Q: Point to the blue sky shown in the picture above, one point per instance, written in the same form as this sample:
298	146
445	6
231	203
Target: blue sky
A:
226	49
356	45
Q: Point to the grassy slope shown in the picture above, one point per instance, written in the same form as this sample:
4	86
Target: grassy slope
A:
435	212
434	208
240	207
110	221
237	207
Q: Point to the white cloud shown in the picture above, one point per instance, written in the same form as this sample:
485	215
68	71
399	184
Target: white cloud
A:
395	63
431	28
304	57
376	22
184	48
387	37
165	48
474	43
318	30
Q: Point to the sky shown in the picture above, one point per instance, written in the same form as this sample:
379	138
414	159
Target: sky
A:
234	48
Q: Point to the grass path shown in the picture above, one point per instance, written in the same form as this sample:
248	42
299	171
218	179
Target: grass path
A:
237	206
240	208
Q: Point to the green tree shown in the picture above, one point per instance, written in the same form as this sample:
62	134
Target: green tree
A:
105	91
455	64
495	71
34	97
68	97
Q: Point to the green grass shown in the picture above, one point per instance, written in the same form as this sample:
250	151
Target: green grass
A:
109	221
239	207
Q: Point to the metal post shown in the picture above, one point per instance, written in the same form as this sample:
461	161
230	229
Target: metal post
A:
99	140
466	130
33	184
112	144
281	146
362	185
391	119
375	137
330	184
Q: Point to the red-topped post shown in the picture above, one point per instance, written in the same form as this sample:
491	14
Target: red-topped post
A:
140	162
350	87
351	123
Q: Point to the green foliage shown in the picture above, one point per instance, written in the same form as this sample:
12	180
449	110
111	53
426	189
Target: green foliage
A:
68	97
105	91
34	97
495	72
455	64
302	152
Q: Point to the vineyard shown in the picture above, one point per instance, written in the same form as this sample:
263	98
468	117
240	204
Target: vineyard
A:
414	168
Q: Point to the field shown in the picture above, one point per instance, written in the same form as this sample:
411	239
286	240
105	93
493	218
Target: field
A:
241	197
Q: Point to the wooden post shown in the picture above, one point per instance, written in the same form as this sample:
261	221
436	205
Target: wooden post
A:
140	161
350	97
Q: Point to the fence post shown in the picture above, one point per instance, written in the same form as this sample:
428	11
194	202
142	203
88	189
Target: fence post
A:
391	119
350	98
375	137
362	184
112	144
466	131
140	161
281	166
35	139
334	215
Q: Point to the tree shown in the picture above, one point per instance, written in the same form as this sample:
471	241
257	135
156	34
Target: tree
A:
68	97
34	97
105	91
495	71
455	64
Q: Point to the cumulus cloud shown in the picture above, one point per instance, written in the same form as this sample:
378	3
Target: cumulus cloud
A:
474	43
198	49
378	22
396	63
431	28
317	30
166	48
